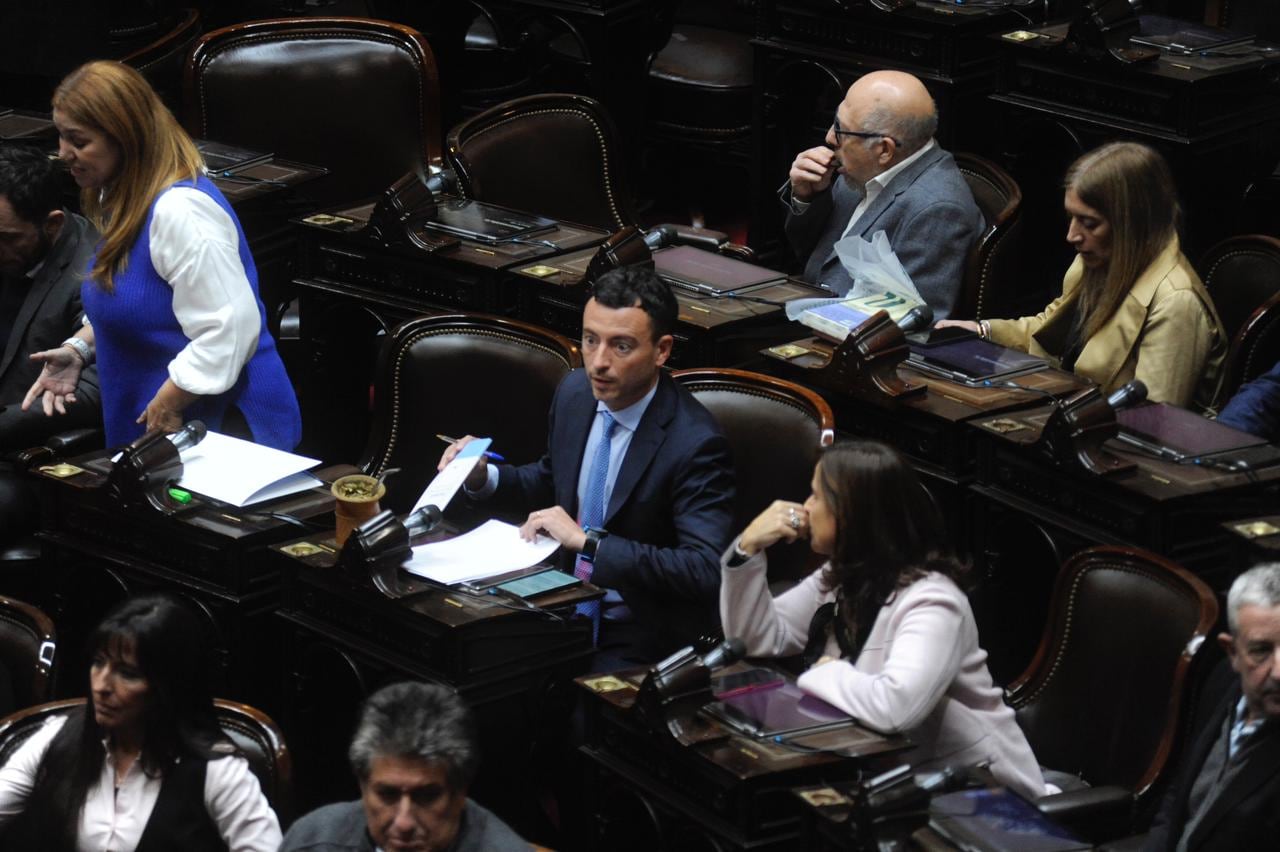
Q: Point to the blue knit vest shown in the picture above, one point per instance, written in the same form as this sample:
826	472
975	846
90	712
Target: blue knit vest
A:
137	335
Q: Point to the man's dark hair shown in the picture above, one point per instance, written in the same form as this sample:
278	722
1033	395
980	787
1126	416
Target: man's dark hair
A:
416	720
638	287
29	179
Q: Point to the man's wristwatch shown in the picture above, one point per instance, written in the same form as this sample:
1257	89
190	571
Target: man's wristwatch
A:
594	537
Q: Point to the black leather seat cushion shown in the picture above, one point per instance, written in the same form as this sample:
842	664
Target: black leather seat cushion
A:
703	80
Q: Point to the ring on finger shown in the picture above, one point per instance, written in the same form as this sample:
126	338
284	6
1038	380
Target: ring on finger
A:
793	519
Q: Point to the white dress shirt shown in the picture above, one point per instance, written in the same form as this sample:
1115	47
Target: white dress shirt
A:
113	818
877	185
195	248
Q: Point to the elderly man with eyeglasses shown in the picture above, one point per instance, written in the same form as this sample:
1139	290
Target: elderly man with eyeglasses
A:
893	177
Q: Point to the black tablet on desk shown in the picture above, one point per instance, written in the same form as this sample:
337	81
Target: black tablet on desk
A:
974	361
777	709
1179	435
486	223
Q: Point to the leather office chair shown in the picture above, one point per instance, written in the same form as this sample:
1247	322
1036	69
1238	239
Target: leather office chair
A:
1255	348
1242	275
252	731
580	176
361	95
990	287
775	429
28	646
455	375
162	61
1103	696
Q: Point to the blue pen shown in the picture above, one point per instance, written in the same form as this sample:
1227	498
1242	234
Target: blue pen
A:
493	456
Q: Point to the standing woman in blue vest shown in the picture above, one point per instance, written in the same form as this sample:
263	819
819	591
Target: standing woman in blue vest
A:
173	316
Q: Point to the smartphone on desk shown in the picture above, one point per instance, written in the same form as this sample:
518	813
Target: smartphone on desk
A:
739	683
539	584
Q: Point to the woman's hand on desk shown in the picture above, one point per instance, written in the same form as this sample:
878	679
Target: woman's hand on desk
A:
782	521
164	411
56	384
556	523
967	325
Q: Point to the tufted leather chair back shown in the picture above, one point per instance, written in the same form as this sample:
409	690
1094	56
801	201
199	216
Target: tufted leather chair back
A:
776	429
990	282
357	96
1102	697
1242	275
554	154
28	643
458	375
251	730
162	60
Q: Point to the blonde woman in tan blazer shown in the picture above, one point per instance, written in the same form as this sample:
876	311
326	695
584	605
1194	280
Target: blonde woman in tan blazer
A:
887	633
1132	306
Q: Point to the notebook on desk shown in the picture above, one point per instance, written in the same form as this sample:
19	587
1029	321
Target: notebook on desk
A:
777	709
998	820
1177	434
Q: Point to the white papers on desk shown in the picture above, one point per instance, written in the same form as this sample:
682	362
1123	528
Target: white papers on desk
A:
490	549
449	480
242	472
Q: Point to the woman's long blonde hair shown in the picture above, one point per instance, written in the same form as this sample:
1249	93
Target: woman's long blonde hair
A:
1131	186
155	151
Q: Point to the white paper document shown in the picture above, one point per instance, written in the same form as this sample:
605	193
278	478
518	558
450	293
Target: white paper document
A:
490	549
449	480
241	472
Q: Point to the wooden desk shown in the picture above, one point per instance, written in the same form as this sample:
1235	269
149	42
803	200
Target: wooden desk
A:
99	550
343	640
352	290
1053	106
728	792
712	332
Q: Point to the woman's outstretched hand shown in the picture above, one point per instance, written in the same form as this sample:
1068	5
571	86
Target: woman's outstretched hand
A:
782	521
56	384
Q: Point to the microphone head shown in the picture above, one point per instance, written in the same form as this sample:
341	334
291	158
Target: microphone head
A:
659	237
189	435
1128	395
726	653
921	316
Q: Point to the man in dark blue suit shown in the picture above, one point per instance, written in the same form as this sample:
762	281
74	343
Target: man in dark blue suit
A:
628	441
1256	407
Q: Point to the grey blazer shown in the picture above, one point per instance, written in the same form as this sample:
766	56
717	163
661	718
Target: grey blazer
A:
928	213
49	314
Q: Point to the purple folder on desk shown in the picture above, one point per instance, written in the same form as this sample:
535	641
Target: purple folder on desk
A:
998	820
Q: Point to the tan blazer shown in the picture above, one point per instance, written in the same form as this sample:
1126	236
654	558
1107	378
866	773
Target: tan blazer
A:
1166	333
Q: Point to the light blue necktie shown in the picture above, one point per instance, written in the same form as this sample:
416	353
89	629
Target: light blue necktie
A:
591	514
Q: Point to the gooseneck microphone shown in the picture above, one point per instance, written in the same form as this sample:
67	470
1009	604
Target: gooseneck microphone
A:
660	237
444	180
189	435
1128	395
726	653
921	316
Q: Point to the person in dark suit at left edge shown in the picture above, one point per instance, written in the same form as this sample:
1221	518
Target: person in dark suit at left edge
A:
636	483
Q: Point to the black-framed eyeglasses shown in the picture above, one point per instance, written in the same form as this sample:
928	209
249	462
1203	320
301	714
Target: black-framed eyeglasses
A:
858	134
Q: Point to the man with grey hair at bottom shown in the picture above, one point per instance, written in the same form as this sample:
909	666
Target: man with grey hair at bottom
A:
1227	793
415	755
881	170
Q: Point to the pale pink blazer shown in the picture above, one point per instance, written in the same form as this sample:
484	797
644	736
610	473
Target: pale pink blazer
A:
921	671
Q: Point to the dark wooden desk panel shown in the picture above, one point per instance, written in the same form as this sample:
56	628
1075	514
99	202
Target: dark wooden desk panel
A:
728	792
513	669
99	550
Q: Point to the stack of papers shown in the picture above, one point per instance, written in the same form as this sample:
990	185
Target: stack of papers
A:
241	472
490	549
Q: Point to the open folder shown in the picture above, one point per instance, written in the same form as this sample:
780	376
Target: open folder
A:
241	472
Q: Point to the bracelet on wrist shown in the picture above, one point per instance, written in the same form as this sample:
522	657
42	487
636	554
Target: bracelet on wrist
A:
81	348
984	329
